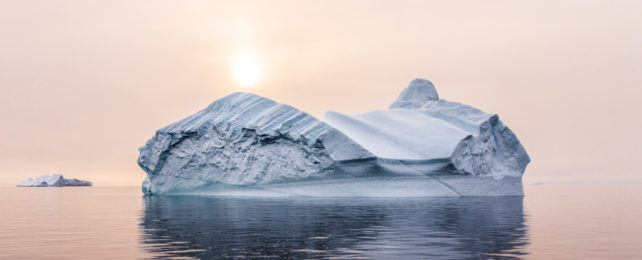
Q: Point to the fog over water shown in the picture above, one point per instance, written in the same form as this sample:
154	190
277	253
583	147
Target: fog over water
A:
85	83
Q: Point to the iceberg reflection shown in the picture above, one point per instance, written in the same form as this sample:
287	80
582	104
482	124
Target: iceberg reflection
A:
299	227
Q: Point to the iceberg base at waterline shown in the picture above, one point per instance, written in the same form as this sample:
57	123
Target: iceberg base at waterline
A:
445	185
245	144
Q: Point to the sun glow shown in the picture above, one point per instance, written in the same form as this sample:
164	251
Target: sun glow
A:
246	69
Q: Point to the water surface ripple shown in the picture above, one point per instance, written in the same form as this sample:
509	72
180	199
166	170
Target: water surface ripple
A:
438	228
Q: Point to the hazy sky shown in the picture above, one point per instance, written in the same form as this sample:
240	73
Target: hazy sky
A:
84	83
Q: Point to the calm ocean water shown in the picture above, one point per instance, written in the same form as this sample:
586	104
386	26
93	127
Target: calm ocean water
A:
568	221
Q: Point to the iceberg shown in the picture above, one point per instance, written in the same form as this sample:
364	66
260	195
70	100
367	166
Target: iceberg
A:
245	144
54	180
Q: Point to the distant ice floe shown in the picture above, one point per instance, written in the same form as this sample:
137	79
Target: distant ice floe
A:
54	180
245	144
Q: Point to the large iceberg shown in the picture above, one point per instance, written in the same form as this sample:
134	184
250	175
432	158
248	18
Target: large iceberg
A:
54	180
245	144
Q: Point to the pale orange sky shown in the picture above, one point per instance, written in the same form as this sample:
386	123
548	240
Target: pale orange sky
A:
84	83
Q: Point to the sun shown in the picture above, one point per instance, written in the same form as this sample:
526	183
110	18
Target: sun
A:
246	69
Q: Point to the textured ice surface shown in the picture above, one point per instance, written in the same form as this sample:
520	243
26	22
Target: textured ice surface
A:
54	180
491	149
244	142
243	139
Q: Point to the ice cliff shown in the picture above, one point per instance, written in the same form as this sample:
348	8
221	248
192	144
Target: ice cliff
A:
422	145
243	139
54	180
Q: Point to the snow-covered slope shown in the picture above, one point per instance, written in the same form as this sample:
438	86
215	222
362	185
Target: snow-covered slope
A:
399	133
54	180
244	140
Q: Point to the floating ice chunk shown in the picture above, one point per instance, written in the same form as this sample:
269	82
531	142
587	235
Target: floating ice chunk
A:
247	141
54	180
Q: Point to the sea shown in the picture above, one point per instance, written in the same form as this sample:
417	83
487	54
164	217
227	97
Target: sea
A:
552	221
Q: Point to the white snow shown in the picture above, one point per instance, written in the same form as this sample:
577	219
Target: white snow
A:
245	140
399	133
54	180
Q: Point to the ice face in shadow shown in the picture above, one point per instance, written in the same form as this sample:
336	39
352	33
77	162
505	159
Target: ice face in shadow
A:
299	227
243	141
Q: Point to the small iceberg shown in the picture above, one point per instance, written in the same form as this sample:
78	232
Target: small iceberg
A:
54	180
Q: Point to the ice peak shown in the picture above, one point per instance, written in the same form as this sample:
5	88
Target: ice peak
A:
418	92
